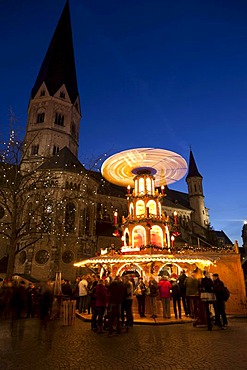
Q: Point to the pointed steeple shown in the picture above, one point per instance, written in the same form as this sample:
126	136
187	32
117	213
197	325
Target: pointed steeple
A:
54	108
58	66
193	170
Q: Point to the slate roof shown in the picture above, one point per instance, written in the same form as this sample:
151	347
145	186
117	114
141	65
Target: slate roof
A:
193	170
106	187
177	199
64	160
221	235
58	66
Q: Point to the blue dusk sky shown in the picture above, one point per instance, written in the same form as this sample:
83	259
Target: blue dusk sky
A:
151	73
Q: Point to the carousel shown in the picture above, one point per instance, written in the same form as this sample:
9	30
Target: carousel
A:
147	234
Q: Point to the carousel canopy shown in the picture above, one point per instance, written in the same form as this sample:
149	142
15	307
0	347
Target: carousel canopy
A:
121	168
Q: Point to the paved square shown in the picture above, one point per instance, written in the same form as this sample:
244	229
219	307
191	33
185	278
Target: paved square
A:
149	347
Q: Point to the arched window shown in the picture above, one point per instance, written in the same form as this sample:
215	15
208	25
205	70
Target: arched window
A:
139	236
70	217
140	208
126	237
148	185
141	186
152	207
131	210
156	236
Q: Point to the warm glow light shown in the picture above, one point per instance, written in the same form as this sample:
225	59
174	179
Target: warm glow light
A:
169	166
145	258
130	249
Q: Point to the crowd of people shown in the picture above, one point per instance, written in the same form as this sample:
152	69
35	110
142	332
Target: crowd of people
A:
110	301
20	300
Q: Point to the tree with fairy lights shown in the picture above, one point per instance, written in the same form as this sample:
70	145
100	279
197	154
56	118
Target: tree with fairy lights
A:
24	209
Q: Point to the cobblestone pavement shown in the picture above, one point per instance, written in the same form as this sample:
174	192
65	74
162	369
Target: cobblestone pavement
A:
150	347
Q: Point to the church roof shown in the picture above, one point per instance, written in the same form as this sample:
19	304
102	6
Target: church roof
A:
175	198
193	170
64	160
106	187
221	235
58	66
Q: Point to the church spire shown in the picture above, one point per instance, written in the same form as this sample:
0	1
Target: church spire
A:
54	109
58	66
193	170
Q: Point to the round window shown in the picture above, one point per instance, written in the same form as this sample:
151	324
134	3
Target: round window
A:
67	256
22	257
42	256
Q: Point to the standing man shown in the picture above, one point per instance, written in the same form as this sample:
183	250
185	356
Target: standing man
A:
191	284
219	304
127	302
164	290
182	287
154	292
83	294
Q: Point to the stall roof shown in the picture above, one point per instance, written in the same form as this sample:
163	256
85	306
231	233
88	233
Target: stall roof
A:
146	258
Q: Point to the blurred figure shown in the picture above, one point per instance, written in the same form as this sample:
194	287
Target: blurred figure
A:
92	294
116	295
182	287
75	291
126	307
154	292
32	300
45	303
66	288
101	295
176	297
18	301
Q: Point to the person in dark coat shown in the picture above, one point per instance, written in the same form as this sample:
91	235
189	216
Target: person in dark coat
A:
204	315
191	284
101	295
19	300
92	295
154	292
126	307
182	287
116	296
176	297
219	304
141	297
45	303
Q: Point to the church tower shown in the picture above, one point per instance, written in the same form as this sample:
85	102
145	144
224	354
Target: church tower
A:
196	197
54	108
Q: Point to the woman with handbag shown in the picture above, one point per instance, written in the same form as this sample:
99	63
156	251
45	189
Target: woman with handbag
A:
206	297
140	292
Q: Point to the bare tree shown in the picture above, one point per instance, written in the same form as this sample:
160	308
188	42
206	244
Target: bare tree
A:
23	206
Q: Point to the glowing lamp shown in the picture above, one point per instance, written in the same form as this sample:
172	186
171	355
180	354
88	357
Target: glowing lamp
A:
116	233
115	218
